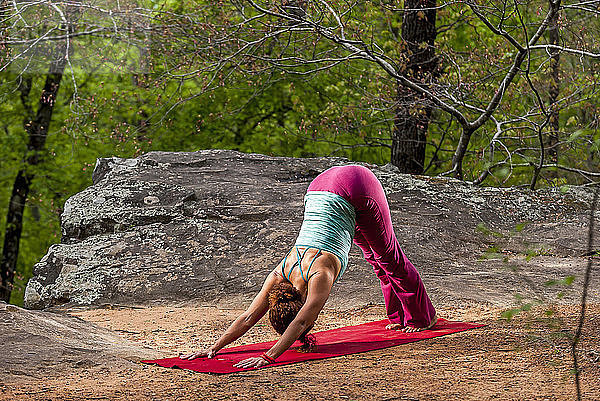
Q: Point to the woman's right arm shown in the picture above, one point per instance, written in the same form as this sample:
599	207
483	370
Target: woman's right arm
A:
256	310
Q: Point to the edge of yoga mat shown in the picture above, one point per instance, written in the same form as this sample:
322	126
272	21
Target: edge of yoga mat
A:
330	343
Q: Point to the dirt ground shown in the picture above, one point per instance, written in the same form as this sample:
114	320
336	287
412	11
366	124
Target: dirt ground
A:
528	358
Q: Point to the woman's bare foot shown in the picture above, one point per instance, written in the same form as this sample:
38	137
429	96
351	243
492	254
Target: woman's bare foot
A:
410	329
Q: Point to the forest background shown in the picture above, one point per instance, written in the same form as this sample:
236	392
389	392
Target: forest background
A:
499	93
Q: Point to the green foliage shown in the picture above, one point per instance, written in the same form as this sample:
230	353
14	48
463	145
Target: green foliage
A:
520	226
531	253
482	227
495	251
567	281
492	252
511	313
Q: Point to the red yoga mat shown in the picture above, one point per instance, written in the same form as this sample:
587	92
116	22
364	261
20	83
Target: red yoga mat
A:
330	343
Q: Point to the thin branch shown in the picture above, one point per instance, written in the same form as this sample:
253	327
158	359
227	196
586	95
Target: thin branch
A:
566	50
584	292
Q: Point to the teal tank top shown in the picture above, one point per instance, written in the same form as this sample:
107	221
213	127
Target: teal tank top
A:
328	225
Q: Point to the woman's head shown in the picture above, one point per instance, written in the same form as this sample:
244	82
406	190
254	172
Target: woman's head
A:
284	303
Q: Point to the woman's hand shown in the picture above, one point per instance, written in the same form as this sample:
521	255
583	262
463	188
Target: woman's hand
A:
200	354
256	362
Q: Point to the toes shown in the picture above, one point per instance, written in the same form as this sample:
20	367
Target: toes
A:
404	329
409	329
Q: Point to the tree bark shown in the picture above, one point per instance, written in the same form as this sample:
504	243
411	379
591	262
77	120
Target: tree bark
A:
553	91
413	111
4	49
36	128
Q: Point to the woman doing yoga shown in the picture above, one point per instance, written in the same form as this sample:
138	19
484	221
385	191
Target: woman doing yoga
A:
342	203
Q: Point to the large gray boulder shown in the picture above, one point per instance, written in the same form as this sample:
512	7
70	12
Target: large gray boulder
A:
211	224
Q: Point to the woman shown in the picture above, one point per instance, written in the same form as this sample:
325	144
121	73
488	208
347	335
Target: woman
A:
341	204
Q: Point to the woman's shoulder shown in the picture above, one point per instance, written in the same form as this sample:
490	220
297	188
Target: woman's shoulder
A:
326	267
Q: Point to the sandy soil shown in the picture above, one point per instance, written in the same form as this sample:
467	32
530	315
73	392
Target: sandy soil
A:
526	358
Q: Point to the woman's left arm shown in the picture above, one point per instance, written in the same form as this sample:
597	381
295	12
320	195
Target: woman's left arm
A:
256	310
319	287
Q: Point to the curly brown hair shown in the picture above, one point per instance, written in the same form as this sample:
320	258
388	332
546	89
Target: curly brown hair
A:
284	303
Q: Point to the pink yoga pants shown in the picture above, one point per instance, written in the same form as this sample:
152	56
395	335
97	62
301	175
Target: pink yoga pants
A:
406	300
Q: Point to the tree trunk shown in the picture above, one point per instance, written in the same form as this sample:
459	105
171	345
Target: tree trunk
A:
4	49
413	111
553	91
37	130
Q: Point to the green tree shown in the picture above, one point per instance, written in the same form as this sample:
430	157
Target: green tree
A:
36	124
